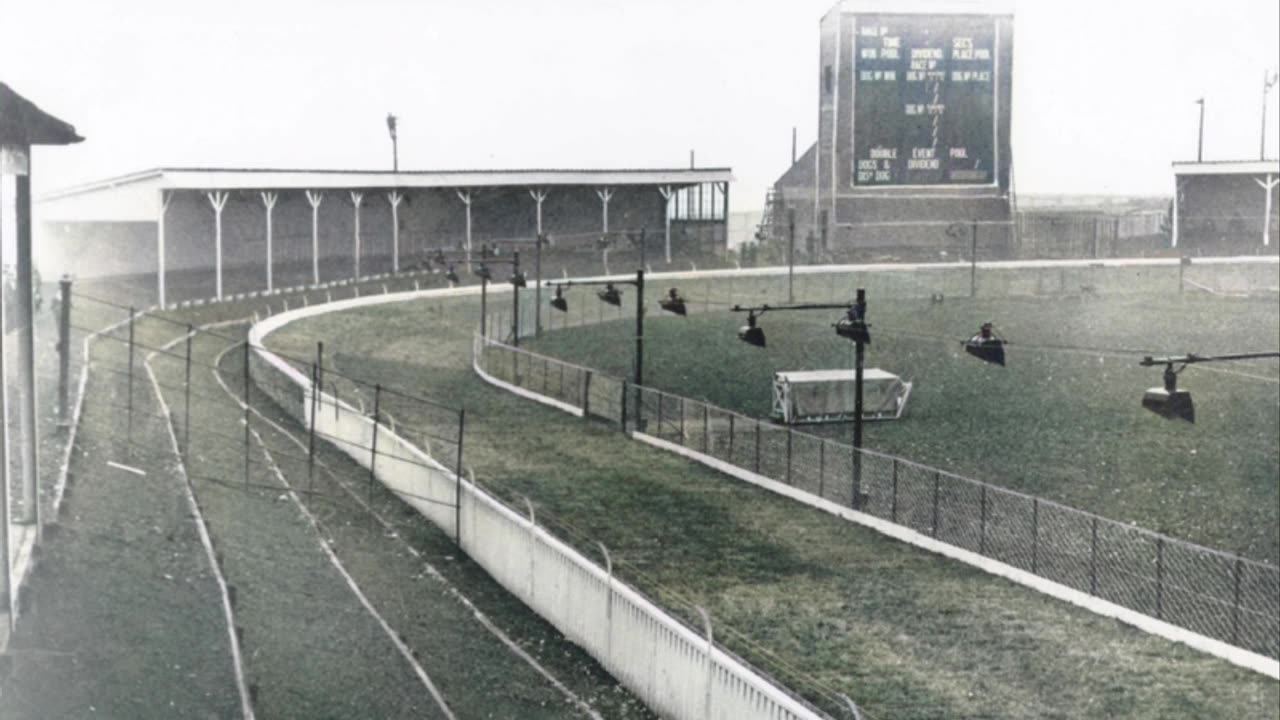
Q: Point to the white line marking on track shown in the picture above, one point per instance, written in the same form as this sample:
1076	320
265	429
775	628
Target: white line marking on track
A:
435	574
246	703
127	468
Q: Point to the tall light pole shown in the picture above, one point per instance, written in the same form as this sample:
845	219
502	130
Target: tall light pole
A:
1200	144
852	327
1268	81
395	150
791	254
638	363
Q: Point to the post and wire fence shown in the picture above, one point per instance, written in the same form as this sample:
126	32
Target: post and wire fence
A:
408	448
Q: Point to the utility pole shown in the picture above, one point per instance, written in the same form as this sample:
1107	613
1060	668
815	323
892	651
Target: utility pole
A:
395	150
1268	82
515	298
973	260
1200	144
860	349
791	254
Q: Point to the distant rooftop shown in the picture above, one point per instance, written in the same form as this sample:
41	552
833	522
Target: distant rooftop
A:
320	179
1227	167
928	7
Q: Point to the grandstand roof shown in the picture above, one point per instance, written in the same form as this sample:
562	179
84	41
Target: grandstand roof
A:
22	123
928	7
1227	167
272	178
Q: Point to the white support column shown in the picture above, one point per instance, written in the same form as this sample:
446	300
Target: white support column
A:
539	196
1267	186
315	198
394	198
165	197
465	197
357	197
1177	190
605	196
269	202
665	190
218	199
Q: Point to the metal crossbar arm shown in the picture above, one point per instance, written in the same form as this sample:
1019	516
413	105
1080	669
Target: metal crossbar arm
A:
1190	358
584	283
762	309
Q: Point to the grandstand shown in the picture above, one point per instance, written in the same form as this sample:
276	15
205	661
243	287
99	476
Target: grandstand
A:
1226	208
183	229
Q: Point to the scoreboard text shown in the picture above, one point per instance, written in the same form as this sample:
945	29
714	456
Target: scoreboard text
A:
924	109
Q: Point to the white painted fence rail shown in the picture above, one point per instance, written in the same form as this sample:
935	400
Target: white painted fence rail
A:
676	671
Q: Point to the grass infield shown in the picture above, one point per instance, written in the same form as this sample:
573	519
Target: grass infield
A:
826	606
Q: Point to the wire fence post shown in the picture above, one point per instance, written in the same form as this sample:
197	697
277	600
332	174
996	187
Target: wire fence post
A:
586	398
706	429
789	437
373	449
982	526
186	400
757	465
658	430
822	466
623	415
1236	571
64	348
311	430
1035	535
1093	557
937	490
893	501
246	414
129	403
731	437
457	475
320	367
681	425
1159	578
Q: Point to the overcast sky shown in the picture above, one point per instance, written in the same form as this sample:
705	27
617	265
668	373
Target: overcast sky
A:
1103	98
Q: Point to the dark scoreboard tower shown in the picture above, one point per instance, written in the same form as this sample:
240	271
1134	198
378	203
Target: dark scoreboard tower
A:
913	127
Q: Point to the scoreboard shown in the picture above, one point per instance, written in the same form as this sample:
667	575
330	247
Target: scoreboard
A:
925	100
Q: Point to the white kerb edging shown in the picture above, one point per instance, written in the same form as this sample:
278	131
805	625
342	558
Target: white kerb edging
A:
1237	656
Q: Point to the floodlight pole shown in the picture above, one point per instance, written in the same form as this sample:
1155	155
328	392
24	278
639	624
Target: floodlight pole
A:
973	260
859	362
1268	82
484	303
537	279
1200	143
515	299
791	254
639	369
858	312
638	283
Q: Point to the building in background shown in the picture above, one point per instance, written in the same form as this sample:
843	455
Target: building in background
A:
913	141
1226	208
183	229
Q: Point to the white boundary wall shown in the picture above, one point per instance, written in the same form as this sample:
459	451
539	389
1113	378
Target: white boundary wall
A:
678	673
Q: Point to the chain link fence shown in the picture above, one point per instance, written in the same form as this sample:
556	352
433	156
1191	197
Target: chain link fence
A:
1222	596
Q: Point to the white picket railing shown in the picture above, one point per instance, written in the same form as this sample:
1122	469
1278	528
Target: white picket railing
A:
677	671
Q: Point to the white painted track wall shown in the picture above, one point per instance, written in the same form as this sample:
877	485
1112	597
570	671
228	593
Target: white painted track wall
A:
676	671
